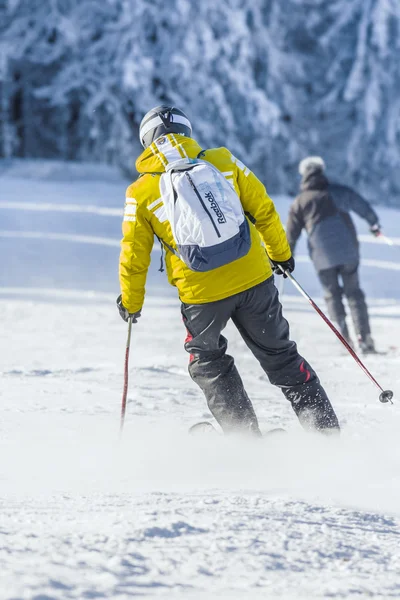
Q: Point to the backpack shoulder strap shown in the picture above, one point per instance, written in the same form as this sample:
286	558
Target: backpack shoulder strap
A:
153	173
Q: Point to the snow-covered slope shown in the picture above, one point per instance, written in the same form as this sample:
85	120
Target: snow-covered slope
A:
84	514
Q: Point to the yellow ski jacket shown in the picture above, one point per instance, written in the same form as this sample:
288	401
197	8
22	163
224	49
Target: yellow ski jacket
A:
144	217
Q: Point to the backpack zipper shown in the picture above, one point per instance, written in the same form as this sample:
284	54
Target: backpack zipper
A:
202	203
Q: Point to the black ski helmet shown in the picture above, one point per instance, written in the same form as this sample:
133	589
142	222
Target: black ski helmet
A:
161	121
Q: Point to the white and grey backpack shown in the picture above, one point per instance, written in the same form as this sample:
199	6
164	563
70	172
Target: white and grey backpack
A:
206	216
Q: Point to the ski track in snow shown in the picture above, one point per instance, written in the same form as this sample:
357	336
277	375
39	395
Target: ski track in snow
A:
85	514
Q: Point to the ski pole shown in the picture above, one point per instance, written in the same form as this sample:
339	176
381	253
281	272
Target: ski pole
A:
126	375
387	240
385	395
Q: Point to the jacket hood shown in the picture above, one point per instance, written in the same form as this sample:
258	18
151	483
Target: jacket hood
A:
164	150
314	180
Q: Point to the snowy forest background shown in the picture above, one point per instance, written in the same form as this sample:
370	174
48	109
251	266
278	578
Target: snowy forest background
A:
274	80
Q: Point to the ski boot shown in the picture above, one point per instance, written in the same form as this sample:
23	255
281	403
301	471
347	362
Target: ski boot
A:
366	344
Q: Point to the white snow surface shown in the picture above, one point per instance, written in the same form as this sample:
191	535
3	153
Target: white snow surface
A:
157	513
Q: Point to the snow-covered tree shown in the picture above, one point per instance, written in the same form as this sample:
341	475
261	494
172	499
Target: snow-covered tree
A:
272	80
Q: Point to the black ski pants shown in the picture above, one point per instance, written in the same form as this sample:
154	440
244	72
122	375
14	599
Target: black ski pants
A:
333	292
257	314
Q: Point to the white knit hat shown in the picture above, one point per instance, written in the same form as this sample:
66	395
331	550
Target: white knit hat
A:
310	163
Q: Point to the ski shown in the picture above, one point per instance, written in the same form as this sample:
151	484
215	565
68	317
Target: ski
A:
203	428
390	351
207	428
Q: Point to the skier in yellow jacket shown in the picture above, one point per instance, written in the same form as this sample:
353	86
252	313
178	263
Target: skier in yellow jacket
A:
242	290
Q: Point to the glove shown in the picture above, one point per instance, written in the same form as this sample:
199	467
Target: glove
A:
375	230
287	265
124	313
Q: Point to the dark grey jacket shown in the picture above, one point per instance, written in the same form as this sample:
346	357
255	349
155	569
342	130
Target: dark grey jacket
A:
323	210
